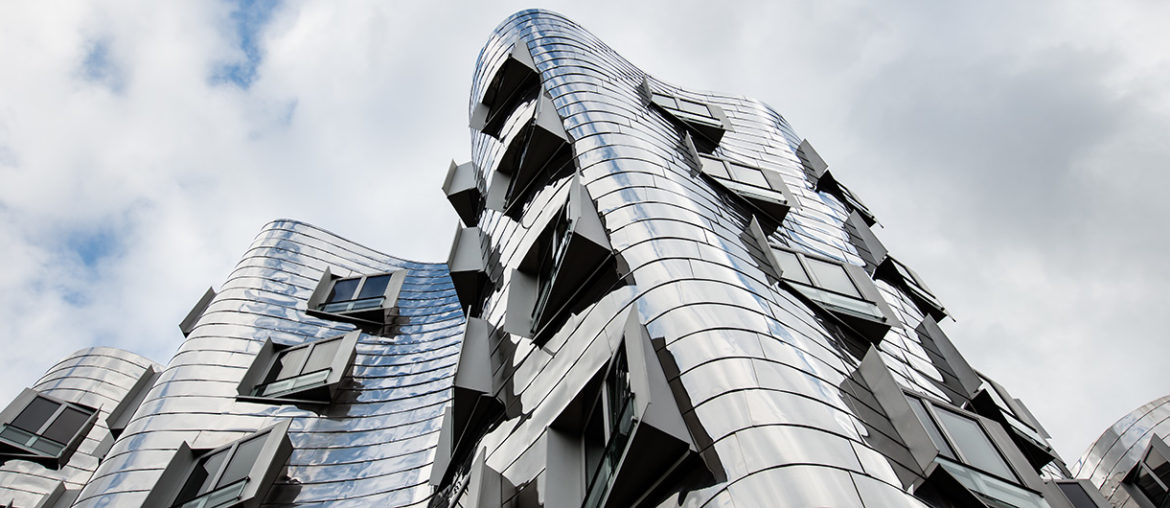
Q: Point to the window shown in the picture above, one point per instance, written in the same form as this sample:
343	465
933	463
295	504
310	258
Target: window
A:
43	429
968	454
818	171
621	440
515	81
1151	475
367	300
992	401
762	189
559	267
844	290
869	248
238	474
308	373
706	121
538	152
894	270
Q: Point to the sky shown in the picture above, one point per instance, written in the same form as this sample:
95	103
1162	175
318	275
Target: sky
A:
1014	152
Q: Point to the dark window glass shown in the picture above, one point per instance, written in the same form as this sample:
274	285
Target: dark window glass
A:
935	435
374	287
790	265
322	356
832	277
1153	478
289	363
242	460
66	425
973	444
343	290
202	477
1076	494
35	414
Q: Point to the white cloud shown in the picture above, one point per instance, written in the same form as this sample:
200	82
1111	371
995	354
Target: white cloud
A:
1014	153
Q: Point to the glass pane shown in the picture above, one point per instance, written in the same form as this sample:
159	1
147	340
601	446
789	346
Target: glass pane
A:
368	303
35	414
67	424
973	444
751	176
242	461
790	265
343	290
374	286
47	446
832	277
288	364
935	436
694	107
1076	494
17	436
714	167
996	492
200	480
322	356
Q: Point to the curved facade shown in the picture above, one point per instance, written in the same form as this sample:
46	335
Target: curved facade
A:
1109	460
371	446
98	378
767	373
659	297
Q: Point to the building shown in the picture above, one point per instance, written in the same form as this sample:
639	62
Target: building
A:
1130	462
658	297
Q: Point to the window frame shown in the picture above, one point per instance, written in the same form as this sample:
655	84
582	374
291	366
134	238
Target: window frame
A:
710	128
537	151
11	449
270	460
871	326
920	294
372	318
515	79
1132	478
817	170
320	393
762	199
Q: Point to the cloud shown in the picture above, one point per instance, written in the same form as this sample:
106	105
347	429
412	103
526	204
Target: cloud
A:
1014	153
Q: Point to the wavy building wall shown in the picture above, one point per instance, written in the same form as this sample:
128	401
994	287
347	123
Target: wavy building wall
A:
657	297
1112	461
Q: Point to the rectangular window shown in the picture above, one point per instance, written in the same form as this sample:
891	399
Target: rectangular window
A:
1152	474
366	300
308	373
42	427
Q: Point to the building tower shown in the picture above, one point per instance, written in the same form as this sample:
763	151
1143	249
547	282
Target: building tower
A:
657	297
1130	462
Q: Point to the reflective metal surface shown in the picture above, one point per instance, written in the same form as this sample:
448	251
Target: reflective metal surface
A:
373	445
1120	447
770	381
97	377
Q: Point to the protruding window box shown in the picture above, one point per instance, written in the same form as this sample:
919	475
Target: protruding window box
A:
992	401
764	190
706	121
869	248
462	189
188	324
468	265
823	180
623	438
538	151
304	374
43	429
967	381
119	417
967	460
1080	493
568	251
515	81
474	405
892	269
368	301
238	474
1148	483
843	290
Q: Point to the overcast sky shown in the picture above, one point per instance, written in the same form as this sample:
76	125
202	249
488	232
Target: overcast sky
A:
1015	153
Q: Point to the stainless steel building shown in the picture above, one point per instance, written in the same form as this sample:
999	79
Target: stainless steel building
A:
658	297
1130	462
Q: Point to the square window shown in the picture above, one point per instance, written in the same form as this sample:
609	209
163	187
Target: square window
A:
706	121
308	373
43	429
238	474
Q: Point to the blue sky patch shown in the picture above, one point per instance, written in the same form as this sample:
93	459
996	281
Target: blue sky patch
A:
248	18
99	68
